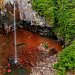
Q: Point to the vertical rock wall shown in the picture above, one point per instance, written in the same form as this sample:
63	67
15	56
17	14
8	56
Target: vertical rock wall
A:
28	14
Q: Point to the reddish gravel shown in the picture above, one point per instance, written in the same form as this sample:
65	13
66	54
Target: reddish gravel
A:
27	48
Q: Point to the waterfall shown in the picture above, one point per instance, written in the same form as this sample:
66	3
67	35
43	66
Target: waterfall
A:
13	2
16	60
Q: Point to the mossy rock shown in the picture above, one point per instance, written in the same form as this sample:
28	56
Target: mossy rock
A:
19	71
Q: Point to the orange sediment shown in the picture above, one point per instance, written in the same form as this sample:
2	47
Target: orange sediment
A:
27	46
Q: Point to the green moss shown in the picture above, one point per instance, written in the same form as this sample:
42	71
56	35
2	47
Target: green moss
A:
60	14
66	59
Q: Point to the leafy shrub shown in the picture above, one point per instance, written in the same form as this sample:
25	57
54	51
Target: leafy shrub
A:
66	59
60	14
45	8
66	20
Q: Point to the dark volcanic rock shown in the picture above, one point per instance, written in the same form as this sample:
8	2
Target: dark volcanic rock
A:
43	31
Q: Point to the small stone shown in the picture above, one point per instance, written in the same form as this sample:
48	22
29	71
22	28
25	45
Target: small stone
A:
43	67
29	37
9	70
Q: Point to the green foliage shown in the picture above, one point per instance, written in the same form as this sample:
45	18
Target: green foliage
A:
66	19
45	45
60	14
45	8
66	59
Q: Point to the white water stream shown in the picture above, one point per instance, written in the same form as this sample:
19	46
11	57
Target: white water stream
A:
15	44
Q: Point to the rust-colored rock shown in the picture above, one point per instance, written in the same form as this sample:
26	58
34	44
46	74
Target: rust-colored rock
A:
27	47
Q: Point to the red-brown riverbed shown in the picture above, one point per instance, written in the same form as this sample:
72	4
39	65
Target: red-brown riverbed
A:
27	46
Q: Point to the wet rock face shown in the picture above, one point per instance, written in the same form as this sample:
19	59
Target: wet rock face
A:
43	31
28	14
25	10
10	8
6	26
7	17
6	22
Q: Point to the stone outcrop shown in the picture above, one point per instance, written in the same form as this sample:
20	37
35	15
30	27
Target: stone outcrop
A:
43	31
28	19
28	14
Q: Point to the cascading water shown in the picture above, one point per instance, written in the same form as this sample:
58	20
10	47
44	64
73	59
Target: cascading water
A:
16	60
